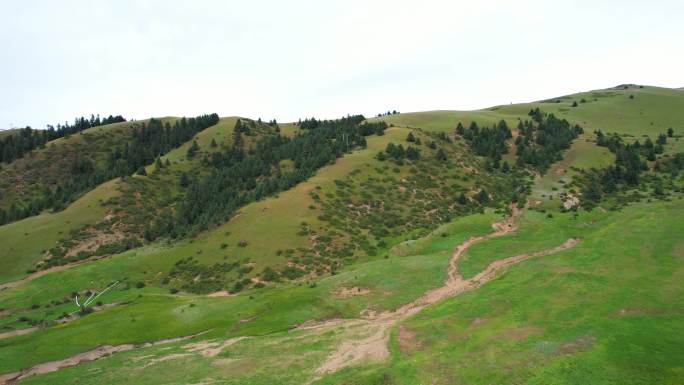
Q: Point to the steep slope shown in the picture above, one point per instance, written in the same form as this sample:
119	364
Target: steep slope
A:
25	178
54	176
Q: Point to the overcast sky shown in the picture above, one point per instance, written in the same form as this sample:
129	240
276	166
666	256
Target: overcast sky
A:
292	59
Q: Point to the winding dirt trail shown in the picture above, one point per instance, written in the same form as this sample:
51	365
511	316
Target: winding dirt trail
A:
40	273
375	346
91	355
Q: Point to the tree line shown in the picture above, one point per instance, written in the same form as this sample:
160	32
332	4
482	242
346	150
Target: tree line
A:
145	144
14	146
238	176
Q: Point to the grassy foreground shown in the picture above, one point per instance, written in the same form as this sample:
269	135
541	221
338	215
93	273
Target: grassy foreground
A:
608	311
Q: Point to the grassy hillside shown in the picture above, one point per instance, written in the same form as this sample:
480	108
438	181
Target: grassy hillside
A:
26	241
650	112
7	132
26	178
301	286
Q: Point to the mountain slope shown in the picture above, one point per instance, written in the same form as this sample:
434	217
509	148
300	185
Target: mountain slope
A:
279	272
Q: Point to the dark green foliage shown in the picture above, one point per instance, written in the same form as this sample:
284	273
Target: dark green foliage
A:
269	275
541	142
291	272
670	132
482	196
16	145
441	155
237	178
628	171
145	145
489	142
192	151
397	152
197	278
662	139
462	199
184	181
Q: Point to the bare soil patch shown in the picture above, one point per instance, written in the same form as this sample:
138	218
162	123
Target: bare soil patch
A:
346	292
91	355
17	332
407	340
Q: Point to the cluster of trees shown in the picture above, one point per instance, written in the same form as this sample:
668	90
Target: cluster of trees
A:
630	162
145	144
388	113
365	128
153	140
398	153
486	141
648	149
238	176
670	166
543	139
14	146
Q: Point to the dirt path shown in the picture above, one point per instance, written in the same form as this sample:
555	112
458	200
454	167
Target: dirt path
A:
376	345
40	273
91	355
17	332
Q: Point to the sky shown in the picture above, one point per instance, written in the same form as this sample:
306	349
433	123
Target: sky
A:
295	59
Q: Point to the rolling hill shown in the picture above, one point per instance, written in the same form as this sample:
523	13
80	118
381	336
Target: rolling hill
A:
453	262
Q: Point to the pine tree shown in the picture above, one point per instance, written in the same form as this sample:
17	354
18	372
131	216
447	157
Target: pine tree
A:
184	180
482	196
670	132
662	139
462	199
441	155
192	151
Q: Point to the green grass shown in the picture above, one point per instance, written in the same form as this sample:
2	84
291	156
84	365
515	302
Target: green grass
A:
24	242
650	113
608	311
152	314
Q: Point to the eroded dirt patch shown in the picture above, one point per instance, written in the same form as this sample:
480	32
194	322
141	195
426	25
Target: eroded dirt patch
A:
406	338
91	355
346	292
